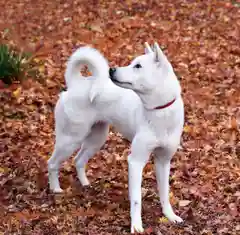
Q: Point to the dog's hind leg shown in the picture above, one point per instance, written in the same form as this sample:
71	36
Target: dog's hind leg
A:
62	151
91	144
162	165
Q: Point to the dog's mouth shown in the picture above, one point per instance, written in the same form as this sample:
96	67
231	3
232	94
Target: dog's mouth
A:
120	83
112	75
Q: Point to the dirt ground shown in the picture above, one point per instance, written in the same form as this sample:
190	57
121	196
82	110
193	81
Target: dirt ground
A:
201	39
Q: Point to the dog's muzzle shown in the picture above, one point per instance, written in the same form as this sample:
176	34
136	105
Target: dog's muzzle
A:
111	73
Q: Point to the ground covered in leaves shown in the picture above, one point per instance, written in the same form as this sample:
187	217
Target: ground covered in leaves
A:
201	38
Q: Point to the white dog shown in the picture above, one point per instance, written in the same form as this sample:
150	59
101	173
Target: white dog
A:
149	113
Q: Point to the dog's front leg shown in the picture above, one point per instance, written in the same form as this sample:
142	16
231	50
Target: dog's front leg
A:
136	162
162	165
135	169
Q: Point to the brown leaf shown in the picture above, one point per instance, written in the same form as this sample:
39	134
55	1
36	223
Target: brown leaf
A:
183	203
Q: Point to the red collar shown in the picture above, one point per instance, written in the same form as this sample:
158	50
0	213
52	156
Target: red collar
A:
166	105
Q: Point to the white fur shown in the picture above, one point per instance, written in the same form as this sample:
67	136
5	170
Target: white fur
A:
84	111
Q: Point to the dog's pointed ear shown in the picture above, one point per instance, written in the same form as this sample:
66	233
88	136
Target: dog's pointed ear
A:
158	54
148	49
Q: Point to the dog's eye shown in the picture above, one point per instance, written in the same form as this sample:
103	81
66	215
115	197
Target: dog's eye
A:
137	66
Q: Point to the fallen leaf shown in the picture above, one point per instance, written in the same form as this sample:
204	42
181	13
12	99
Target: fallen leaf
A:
163	220
17	92
96	28
187	129
183	203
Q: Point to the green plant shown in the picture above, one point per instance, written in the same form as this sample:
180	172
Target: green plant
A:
13	64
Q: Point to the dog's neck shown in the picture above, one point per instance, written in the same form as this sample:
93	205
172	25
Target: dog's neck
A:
152	102
161	96
165	105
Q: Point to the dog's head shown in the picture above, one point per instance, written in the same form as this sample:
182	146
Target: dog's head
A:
150	75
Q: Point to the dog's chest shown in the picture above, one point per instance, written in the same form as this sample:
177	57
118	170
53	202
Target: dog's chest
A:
167	124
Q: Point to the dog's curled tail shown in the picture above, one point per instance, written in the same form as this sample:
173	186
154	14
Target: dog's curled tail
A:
89	56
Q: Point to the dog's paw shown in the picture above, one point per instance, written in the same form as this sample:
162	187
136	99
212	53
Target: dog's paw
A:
173	218
85	182
137	227
82	177
57	190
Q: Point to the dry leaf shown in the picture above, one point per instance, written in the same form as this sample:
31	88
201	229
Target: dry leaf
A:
183	203
17	92
163	220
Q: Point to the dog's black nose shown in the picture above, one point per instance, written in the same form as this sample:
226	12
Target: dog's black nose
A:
111	72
